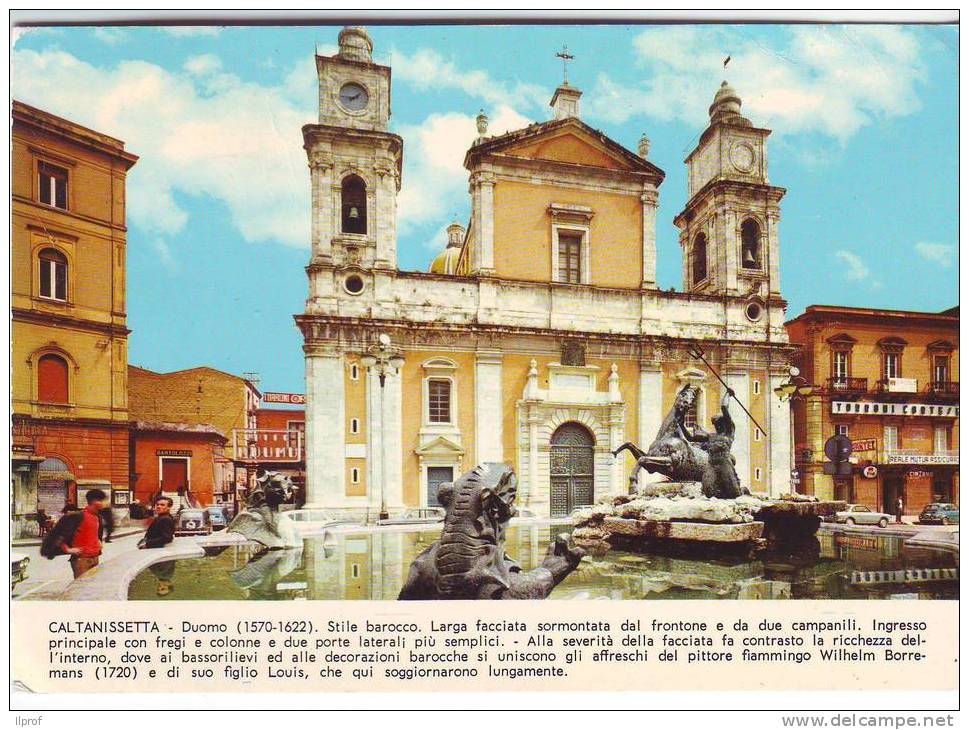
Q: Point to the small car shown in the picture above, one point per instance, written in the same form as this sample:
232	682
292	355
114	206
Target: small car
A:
859	514
939	513
18	568
217	517
193	522
417	516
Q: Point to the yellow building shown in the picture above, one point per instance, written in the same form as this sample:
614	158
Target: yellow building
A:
889	381
69	331
539	337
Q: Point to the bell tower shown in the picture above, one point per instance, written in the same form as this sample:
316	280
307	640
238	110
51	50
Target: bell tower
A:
729	228
355	171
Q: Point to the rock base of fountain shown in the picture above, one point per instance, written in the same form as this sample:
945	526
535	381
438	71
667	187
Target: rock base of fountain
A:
676	513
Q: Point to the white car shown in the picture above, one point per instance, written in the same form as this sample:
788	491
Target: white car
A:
859	514
18	568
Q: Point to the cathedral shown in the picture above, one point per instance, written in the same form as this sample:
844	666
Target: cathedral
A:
539	336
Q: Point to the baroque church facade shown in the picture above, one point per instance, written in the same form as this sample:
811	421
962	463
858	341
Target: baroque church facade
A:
539	337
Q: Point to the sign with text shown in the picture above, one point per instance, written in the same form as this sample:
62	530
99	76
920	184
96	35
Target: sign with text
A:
856	408
292	398
173	452
864	445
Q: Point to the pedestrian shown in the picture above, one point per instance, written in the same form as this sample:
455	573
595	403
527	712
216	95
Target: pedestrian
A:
899	508
107	524
43	521
161	527
77	534
69	507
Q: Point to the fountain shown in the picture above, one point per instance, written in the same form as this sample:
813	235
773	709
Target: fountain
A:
262	521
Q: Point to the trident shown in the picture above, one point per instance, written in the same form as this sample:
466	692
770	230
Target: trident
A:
696	351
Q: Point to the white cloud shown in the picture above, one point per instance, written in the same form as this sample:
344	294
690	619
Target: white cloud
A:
213	137
188	31
855	269
832	80
203	64
435	184
111	36
427	70
937	253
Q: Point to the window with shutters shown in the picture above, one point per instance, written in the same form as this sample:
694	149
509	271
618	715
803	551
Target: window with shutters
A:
570	258
890	438
439	400
52	185
52	379
53	274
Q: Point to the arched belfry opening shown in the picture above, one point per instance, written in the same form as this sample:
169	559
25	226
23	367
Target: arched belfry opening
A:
353	204
572	461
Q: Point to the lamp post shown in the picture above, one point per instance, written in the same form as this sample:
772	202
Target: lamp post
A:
383	359
796	388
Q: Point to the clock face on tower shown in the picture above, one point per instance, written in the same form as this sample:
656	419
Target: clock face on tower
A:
353	97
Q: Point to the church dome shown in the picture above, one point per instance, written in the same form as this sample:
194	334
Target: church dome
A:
446	262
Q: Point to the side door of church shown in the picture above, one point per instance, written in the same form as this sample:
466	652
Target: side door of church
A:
572	451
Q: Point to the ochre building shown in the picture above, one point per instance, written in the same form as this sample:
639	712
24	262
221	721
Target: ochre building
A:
888	380
69	328
539	337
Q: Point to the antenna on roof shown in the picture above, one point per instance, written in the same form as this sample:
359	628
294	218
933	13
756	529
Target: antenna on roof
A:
252	377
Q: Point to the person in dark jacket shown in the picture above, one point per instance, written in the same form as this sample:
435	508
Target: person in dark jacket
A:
161	528
107	524
78	534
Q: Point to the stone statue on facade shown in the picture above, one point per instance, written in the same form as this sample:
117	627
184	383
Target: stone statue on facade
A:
261	520
469	560
685	454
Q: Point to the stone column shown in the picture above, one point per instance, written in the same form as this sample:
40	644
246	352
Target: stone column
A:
740	384
322	221
394	437
325	438
773	250
779	423
487	407
650	410
650	200
484	184
384	225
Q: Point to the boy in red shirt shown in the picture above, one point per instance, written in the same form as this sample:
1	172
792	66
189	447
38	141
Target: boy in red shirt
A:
77	534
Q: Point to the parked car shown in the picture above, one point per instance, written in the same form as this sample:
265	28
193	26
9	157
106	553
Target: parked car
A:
417	516
18	568
859	514
193	521
939	513
217	517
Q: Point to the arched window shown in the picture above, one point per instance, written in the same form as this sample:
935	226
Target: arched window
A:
53	274
52	379
699	259
750	244
353	199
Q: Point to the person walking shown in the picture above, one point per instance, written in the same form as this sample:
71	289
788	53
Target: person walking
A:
107	524
161	527
78	534
899	508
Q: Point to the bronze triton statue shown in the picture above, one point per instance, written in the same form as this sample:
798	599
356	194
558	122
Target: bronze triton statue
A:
469	560
261	520
685	455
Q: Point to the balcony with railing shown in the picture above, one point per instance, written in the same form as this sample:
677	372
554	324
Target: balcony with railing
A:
915	456
943	389
897	386
268	444
847	386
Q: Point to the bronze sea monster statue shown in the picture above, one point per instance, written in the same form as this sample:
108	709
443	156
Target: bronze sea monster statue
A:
469	560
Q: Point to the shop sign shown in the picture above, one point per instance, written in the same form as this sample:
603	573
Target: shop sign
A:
870	471
865	445
173	452
915	474
292	398
859	408
908	458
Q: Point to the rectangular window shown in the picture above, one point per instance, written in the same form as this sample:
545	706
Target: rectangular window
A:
893	365
439	401
841	429
890	435
53	279
570	250
841	365
354	372
354	425
940	369
756	387
690	417
354	475
757	434
53	185
757	474
941	441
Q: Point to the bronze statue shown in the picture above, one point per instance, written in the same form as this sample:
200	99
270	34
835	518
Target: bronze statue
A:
261	520
685	455
469	560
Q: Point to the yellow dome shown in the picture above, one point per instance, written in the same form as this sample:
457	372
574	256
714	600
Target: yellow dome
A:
446	262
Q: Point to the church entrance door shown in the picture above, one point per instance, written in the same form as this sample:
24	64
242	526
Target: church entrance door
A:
572	460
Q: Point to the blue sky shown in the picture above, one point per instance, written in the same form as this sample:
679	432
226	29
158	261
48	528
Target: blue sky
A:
865	140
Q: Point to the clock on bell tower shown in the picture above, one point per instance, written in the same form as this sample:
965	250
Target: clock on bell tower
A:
355	171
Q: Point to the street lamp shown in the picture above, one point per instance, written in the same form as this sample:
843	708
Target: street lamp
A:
383	359
796	388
